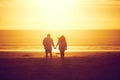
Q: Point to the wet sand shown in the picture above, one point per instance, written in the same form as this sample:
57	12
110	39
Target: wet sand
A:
90	66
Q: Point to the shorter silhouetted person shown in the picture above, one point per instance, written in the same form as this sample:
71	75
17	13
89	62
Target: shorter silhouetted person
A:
62	45
48	43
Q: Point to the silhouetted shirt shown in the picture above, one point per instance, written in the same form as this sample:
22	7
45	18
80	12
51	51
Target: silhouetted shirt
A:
62	44
48	43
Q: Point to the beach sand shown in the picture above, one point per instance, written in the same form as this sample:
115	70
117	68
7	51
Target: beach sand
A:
90	66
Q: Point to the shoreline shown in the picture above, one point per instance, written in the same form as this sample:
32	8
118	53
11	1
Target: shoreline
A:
58	51
37	54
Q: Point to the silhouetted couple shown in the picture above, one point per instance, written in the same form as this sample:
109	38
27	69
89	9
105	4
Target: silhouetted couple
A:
48	44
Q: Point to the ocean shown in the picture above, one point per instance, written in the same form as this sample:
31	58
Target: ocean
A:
77	40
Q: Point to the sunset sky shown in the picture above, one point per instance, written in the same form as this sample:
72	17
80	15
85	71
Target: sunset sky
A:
59	14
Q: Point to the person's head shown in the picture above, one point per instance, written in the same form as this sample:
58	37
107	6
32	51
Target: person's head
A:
62	38
48	35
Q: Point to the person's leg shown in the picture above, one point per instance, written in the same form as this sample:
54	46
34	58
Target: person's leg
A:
50	54
46	54
62	54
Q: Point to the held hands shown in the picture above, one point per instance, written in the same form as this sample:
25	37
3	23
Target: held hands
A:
55	47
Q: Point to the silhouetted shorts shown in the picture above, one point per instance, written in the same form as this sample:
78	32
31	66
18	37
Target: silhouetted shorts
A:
48	51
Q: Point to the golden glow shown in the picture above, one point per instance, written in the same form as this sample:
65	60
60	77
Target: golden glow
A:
59	14
56	12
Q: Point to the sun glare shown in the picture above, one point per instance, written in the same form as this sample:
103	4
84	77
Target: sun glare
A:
59	14
55	12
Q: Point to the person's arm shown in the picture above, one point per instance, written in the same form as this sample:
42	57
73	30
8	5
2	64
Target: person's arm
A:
53	44
65	45
57	43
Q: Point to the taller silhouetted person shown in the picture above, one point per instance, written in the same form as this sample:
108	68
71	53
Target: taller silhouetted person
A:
62	45
48	43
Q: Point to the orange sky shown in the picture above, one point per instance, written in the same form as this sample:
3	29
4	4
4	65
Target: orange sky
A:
59	14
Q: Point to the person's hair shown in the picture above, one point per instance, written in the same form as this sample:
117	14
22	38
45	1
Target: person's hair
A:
62	38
